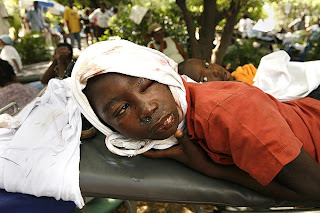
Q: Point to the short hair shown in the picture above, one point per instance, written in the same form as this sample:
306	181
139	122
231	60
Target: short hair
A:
6	73
68	46
103	3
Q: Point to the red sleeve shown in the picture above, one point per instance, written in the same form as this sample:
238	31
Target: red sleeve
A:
260	140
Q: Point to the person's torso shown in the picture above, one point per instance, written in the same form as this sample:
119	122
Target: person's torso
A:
4	23
171	50
103	18
36	20
73	19
8	53
246	105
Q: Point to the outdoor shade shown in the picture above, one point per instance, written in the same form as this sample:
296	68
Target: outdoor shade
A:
45	5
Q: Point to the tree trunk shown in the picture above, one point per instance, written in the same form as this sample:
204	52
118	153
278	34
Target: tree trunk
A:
195	48
209	19
227	34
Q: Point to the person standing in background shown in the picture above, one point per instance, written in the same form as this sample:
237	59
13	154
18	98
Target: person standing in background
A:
103	15
35	19
4	23
72	18
88	30
167	45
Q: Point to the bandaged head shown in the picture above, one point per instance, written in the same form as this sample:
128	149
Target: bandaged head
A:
126	58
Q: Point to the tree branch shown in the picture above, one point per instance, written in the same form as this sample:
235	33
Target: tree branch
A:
231	16
190	26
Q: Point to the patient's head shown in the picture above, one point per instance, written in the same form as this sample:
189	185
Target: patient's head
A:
7	75
202	71
138	108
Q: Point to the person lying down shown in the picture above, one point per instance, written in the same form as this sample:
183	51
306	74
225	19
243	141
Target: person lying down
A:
226	130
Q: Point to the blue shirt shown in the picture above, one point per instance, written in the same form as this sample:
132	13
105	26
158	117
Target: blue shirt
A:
35	19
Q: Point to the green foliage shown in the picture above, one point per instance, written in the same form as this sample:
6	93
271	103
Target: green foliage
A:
245	52
288	10
124	28
314	52
32	48
169	17
15	22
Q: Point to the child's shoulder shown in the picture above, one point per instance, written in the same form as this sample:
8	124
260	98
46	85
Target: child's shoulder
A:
216	89
205	97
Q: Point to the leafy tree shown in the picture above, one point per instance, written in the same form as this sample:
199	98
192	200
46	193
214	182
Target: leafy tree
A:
32	48
166	13
215	12
182	19
288	10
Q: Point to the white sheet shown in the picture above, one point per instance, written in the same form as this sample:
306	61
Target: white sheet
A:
40	147
284	79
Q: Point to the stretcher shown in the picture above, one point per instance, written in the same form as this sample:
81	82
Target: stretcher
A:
106	175
103	174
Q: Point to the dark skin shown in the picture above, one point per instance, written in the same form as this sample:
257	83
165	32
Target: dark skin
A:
125	103
59	64
297	181
199	71
133	106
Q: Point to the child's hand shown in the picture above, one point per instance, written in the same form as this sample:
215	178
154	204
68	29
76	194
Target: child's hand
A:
186	152
62	53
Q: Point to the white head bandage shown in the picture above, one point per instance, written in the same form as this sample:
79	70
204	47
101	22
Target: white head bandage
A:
134	60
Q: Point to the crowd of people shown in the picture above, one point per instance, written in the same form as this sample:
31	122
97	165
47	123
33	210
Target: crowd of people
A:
161	95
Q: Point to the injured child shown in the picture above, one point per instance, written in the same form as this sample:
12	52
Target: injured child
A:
134	96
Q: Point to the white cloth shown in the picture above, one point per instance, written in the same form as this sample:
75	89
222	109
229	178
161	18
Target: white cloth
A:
124	57
137	13
40	147
102	18
284	79
171	50
8	53
4	23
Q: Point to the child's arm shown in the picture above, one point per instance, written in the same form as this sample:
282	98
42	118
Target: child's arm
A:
302	175
289	187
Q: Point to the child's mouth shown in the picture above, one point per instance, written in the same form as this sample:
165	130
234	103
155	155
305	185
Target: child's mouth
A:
164	123
168	123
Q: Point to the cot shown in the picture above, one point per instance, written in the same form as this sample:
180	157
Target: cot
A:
103	174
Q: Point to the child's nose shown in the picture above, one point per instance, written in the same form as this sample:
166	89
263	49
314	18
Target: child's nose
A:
148	111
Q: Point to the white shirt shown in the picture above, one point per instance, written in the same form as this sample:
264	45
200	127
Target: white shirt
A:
102	18
171	50
8	53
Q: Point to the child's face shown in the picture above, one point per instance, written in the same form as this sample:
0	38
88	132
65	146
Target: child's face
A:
198	71
136	107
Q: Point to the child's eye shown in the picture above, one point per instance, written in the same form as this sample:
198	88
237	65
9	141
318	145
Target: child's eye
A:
122	109
204	79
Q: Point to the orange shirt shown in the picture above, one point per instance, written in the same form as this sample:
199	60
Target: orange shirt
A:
245	73
237	123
